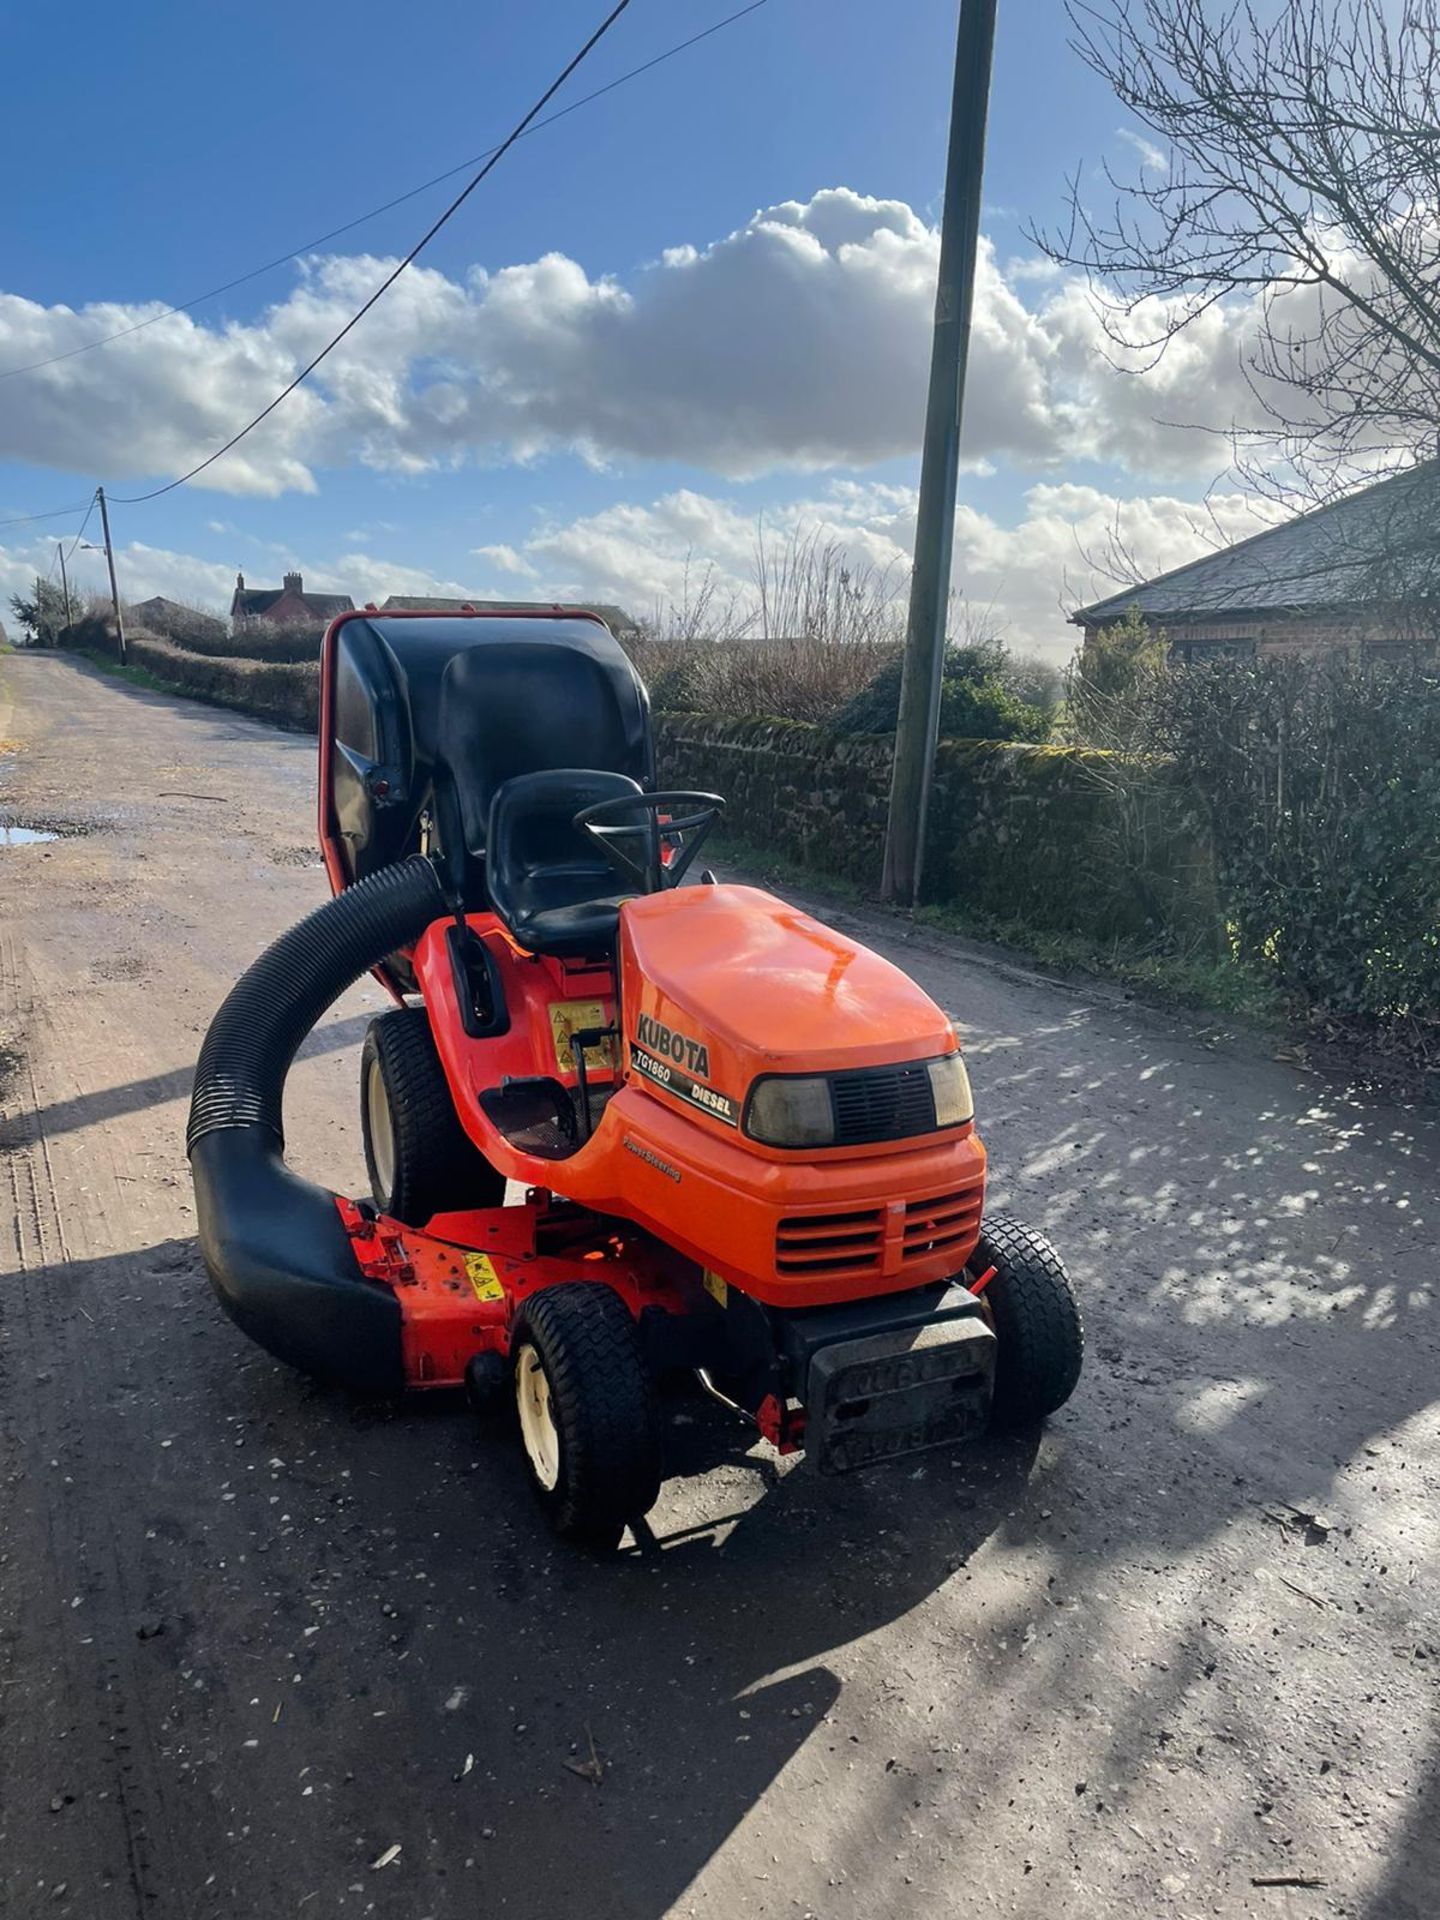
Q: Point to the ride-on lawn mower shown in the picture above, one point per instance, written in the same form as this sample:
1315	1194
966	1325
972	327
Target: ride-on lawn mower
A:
746	1142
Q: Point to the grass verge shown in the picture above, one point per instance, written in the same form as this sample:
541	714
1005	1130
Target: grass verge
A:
137	676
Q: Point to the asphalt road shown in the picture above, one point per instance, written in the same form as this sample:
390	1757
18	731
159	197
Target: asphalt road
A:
256	1636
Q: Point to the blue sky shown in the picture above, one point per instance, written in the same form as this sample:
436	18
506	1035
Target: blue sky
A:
588	424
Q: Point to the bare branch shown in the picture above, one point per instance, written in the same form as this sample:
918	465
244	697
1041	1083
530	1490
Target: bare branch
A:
1302	194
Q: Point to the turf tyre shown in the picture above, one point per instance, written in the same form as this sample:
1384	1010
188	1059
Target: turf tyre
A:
606	1468
427	1164
1039	1338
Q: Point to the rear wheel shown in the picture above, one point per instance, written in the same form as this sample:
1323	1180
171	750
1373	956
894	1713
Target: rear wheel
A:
588	1410
420	1159
1039	1340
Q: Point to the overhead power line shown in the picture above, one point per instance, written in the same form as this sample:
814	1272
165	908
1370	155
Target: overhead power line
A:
134	500
387	206
89	511
51	513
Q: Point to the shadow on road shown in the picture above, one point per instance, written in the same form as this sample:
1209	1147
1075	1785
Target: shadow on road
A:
110	1103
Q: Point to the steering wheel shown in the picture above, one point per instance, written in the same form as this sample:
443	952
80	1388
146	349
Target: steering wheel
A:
663	858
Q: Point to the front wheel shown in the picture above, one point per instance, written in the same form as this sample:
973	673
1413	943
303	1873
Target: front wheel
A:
589	1415
1039	1340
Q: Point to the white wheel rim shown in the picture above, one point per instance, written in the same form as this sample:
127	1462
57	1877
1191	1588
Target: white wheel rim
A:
382	1134
537	1417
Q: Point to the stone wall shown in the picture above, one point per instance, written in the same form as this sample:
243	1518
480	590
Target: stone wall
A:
816	797
1058	837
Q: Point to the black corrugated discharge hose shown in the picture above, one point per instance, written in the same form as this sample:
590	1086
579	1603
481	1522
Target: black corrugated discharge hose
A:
240	1076
275	1246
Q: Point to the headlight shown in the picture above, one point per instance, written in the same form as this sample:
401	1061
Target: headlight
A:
789	1111
950	1084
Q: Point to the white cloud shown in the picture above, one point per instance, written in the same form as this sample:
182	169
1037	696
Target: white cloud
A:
142	570
1151	156
1027	575
506	558
801	341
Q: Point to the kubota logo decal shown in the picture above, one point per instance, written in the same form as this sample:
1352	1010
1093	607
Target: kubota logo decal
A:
671	1060
693	1055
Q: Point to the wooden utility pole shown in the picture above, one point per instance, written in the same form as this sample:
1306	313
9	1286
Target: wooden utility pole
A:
114	590
919	721
64	582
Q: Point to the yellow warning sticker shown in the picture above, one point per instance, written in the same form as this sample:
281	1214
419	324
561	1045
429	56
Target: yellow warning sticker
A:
480	1272
715	1287
569	1017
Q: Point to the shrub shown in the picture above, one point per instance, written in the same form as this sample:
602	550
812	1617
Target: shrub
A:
1111	678
975	701
799	679
93	632
263	640
41	616
192	627
1039	683
1321	781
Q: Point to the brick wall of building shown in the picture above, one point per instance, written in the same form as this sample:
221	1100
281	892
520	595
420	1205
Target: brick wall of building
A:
1279	639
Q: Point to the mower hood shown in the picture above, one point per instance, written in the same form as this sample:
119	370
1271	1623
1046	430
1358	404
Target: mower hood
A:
727	982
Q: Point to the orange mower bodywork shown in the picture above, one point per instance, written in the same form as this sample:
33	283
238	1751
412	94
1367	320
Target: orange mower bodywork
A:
744	1140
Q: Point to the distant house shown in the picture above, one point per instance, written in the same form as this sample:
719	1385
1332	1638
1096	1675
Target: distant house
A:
619	622
286	605
158	613
172	620
1363	572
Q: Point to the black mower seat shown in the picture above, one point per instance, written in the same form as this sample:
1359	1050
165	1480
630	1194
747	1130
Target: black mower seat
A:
560	696
549	882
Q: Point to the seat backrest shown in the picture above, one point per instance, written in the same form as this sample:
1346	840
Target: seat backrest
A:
523	706
548	879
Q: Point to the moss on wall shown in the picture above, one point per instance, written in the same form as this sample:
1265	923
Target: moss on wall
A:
1059	837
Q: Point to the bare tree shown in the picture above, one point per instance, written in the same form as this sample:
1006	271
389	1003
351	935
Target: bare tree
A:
809	588
1301	174
708	608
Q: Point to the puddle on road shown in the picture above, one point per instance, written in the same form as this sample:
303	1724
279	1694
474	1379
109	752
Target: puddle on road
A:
25	836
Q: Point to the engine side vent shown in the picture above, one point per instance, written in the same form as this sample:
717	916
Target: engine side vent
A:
819	1243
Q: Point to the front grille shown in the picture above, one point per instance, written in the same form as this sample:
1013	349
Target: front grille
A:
817	1243
950	1219
814	1246
882	1103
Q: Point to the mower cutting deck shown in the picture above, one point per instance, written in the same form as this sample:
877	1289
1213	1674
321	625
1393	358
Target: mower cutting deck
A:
746	1142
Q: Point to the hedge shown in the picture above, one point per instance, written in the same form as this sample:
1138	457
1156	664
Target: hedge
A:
286	694
278	644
